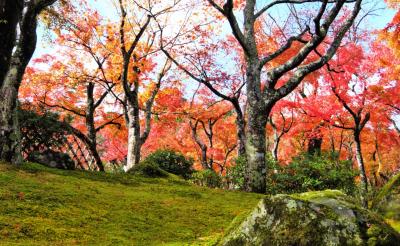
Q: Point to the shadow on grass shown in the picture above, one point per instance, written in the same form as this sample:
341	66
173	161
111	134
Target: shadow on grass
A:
120	178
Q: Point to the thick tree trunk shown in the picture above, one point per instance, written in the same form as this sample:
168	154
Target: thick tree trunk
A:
256	169
257	115
9	95
10	13
19	60
7	115
361	167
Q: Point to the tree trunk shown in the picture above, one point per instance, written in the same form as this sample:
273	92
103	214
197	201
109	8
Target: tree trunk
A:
134	142
275	147
92	134
315	141
255	178
361	167
10	13
19	60
241	134
314	145
204	161
256	170
96	156
9	95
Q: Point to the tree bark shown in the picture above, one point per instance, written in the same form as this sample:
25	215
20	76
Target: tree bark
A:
275	147
256	169
241	132
361	167
203	147
134	143
19	60
10	13
314	145
90	126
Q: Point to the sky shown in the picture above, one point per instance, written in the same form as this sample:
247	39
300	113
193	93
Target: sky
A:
378	20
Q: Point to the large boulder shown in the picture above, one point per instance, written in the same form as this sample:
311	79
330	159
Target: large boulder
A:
313	218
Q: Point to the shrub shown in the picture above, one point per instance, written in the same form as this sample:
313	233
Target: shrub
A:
311	172
305	173
41	132
235	174
172	162
148	169
207	178
53	159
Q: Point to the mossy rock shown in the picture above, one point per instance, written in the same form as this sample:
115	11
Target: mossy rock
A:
313	218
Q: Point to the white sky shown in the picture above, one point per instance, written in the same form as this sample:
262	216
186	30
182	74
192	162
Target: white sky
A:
107	8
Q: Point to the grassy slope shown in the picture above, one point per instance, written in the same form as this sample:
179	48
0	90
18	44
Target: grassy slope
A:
392	211
42	206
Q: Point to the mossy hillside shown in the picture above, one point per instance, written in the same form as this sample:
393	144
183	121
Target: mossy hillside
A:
391	210
43	206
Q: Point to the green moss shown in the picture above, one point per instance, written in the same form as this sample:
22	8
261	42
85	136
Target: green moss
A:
312	195
394	223
312	218
44	206
385	191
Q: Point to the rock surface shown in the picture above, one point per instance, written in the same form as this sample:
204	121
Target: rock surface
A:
313	218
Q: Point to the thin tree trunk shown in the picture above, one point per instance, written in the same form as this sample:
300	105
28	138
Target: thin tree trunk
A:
361	167
202	146
90	126
315	141
275	147
134	143
241	132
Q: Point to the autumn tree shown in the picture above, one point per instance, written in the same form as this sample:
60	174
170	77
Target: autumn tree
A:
75	82
205	125
202	63
346	83
16	54
261	99
137	43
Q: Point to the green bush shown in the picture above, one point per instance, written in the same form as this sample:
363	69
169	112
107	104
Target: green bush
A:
311	172
207	178
304	173
235	174
148	169
40	132
172	162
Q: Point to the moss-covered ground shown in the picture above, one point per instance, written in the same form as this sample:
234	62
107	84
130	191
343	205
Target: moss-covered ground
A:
391	211
43	206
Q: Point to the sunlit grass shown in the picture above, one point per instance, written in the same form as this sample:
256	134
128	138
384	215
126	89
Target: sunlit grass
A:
42	206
